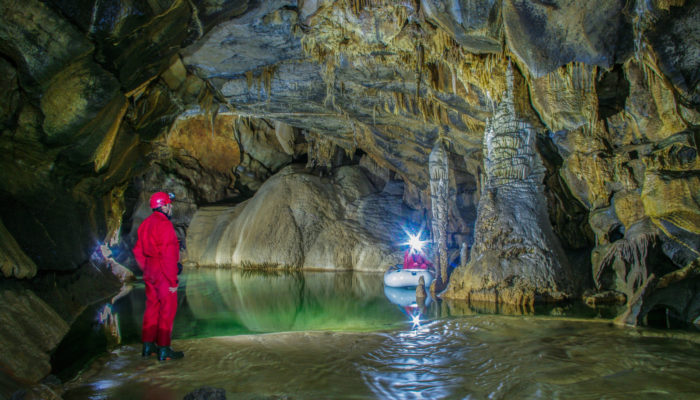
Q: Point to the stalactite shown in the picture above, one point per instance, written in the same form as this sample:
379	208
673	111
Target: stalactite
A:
320	150
420	54
632	252
249	78
267	74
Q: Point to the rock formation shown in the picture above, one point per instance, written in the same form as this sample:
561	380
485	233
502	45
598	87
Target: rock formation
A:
298	220
439	192
516	258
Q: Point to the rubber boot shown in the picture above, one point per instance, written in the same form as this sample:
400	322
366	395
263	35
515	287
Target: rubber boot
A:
149	348
167	353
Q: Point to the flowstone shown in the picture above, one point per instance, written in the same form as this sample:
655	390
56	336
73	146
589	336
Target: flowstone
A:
516	258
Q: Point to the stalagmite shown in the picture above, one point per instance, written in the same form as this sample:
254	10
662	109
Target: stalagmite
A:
439	187
516	258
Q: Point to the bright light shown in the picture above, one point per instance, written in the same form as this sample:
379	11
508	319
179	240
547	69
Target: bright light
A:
415	319
415	242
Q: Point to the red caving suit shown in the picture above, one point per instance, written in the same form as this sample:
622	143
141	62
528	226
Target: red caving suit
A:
157	252
415	261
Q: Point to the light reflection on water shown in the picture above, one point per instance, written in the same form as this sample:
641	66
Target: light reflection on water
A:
370	350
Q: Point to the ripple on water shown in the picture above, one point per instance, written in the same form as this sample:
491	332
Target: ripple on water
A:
476	357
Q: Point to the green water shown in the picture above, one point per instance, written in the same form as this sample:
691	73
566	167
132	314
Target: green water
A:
341	335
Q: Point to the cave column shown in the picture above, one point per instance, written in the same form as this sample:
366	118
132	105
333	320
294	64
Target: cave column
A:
439	190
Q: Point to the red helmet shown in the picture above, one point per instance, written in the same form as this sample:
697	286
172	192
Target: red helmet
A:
159	199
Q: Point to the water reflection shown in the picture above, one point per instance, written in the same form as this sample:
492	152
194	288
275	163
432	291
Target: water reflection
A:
276	302
348	337
405	299
475	357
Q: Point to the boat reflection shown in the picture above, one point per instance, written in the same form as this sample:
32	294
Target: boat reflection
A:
405	298
409	364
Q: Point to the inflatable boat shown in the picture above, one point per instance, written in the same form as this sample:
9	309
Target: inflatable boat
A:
398	276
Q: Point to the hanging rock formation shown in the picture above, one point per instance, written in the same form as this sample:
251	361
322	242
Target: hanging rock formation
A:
516	258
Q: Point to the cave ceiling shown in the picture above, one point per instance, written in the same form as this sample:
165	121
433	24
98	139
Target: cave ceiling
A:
95	93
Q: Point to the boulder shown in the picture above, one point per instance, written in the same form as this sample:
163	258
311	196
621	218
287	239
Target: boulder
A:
301	220
29	330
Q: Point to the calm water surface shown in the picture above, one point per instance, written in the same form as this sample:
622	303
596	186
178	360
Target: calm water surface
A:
326	335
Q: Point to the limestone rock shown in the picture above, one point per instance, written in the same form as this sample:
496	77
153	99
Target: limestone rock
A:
97	139
588	176
260	37
299	220
310	7
566	98
210	12
30	329
651	104
606	225
74	97
516	258
9	93
148	50
546	35
156	102
470	23
13	262
53	237
121	272
285	136
38	40
38	392
261	141
673	39
207	141
669	195
628	207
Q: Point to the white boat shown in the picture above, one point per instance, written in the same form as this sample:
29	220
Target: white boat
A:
398	276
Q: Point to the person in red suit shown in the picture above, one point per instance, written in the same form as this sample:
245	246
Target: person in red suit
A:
415	260
157	253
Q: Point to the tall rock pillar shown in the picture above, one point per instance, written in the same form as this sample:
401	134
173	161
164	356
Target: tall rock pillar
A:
439	191
516	258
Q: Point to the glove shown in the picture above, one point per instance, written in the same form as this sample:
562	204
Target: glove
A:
179	268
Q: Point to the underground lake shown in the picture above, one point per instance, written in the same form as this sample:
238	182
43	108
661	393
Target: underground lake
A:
343	335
